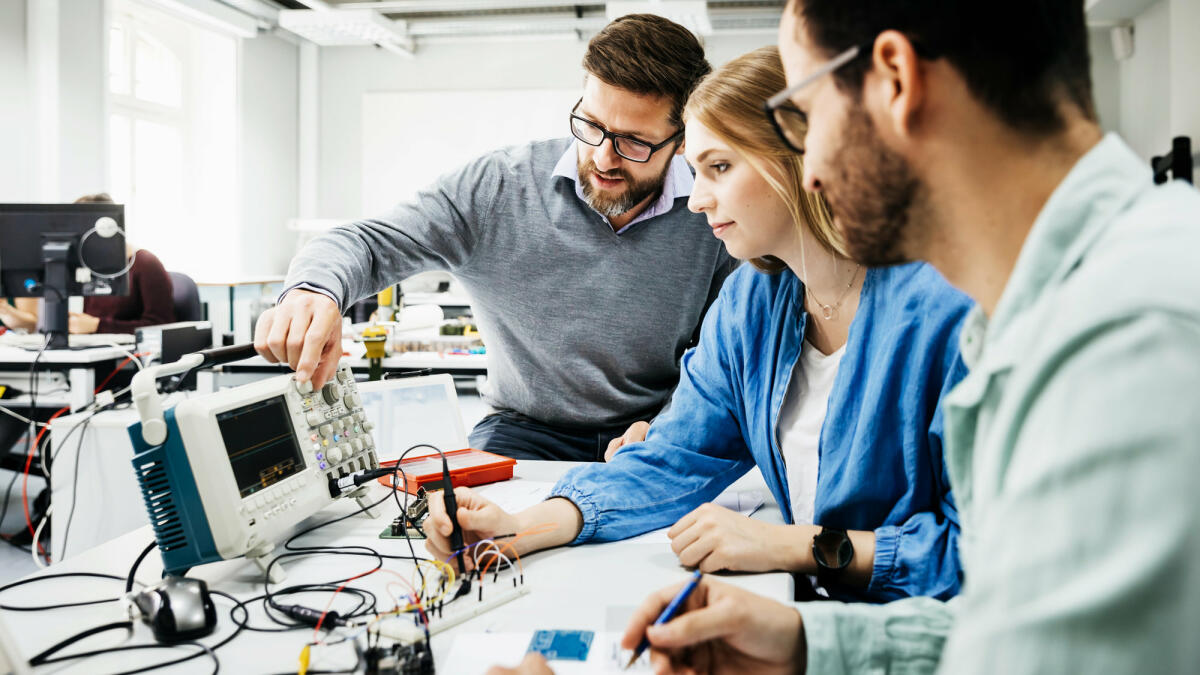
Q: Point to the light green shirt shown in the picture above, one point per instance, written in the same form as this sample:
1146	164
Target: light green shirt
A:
1074	451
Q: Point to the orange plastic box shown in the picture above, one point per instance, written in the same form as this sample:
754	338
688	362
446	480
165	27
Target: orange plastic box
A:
468	467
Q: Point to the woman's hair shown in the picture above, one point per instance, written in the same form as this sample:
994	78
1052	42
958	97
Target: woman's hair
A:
729	103
98	198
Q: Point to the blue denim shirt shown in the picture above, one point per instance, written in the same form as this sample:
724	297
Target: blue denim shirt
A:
880	456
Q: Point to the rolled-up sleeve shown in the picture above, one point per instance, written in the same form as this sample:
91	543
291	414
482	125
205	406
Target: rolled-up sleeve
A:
692	452
901	637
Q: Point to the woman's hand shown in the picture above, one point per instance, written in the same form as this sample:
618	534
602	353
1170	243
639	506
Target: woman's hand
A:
714	538
79	323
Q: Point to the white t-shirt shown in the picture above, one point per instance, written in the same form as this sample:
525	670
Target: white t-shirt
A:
800	421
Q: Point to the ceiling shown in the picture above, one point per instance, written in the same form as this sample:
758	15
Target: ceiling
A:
405	25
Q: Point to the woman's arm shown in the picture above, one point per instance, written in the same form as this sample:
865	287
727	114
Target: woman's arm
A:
22	315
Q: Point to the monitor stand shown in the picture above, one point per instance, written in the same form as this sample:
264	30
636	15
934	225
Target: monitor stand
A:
56	258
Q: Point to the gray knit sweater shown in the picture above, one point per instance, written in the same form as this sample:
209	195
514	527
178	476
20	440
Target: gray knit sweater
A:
584	327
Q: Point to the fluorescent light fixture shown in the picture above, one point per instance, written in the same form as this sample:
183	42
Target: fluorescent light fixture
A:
347	27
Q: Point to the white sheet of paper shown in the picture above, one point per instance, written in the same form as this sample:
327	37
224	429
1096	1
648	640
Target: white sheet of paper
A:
745	503
516	494
474	653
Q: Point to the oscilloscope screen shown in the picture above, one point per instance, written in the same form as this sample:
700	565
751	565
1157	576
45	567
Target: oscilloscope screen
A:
261	444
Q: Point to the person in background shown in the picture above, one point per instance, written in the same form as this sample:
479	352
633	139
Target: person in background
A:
587	274
825	376
149	302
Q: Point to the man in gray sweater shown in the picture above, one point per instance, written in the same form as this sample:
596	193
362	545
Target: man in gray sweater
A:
588	275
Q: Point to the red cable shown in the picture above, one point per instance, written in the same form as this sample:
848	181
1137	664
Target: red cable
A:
37	443
114	372
317	629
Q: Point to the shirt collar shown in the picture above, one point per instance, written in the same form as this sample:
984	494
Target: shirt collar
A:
1079	210
678	183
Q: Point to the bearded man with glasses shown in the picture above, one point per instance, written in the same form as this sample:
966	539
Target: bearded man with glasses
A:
588	275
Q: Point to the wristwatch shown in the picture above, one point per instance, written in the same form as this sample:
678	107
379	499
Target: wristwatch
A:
833	552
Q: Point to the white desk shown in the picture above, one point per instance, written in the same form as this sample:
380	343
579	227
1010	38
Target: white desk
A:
587	587
248	370
92	474
80	366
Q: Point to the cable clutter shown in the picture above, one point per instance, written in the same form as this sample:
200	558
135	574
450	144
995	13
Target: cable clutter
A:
387	637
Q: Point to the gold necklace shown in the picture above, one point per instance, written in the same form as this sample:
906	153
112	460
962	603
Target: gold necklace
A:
829	312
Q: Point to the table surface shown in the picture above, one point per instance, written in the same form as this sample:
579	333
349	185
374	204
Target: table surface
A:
357	361
17	355
590	587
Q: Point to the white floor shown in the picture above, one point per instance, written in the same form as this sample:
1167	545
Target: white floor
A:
15	564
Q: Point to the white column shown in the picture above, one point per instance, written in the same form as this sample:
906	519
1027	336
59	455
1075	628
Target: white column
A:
41	21
308	128
1185	64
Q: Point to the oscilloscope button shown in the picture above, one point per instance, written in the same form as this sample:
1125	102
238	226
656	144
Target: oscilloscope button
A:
304	387
313	418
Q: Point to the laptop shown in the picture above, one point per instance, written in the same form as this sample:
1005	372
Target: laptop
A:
413	410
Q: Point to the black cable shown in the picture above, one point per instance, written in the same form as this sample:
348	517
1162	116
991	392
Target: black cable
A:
7	499
137	563
43	657
60	575
204	649
30	434
62	554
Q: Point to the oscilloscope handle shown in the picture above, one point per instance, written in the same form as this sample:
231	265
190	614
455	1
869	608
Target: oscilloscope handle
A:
145	391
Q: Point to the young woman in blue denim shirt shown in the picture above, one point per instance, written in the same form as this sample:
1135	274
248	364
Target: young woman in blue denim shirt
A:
830	387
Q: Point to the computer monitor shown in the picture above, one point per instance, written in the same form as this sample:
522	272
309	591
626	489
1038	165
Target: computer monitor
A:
56	251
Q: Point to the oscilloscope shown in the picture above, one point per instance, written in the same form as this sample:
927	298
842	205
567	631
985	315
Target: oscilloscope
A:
229	474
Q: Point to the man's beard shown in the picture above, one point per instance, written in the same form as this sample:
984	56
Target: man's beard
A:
873	196
612	205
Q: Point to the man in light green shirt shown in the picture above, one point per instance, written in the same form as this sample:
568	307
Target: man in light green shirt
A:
964	134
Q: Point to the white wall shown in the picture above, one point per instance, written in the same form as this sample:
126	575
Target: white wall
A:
347	73
1106	79
82	98
268	166
69	68
1145	83
16	180
1159	86
267	115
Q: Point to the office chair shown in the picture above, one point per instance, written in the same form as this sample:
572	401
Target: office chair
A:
186	297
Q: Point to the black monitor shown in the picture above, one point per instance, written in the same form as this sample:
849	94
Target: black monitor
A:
55	251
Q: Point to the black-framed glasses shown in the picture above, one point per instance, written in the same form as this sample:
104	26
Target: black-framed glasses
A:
790	123
632	149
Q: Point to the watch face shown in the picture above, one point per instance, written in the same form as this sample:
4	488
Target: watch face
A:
832	549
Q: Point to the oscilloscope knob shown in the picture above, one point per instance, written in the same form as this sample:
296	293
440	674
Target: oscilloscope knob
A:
331	393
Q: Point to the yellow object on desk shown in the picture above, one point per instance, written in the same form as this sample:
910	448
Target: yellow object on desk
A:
374	338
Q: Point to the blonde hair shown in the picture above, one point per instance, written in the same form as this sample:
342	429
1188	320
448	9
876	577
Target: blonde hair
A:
729	103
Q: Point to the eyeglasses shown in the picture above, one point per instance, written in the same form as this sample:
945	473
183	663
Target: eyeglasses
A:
789	121
630	148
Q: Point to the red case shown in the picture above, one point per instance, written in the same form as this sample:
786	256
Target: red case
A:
474	467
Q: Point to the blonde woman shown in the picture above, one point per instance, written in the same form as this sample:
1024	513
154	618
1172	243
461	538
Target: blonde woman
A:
825	375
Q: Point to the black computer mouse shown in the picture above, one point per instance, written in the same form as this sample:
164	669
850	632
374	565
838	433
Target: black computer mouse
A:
177	608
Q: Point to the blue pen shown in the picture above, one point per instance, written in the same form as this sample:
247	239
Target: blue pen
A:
667	615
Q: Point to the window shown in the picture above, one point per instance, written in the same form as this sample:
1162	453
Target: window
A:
173	136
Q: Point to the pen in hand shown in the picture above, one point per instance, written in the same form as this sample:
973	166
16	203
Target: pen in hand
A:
667	614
